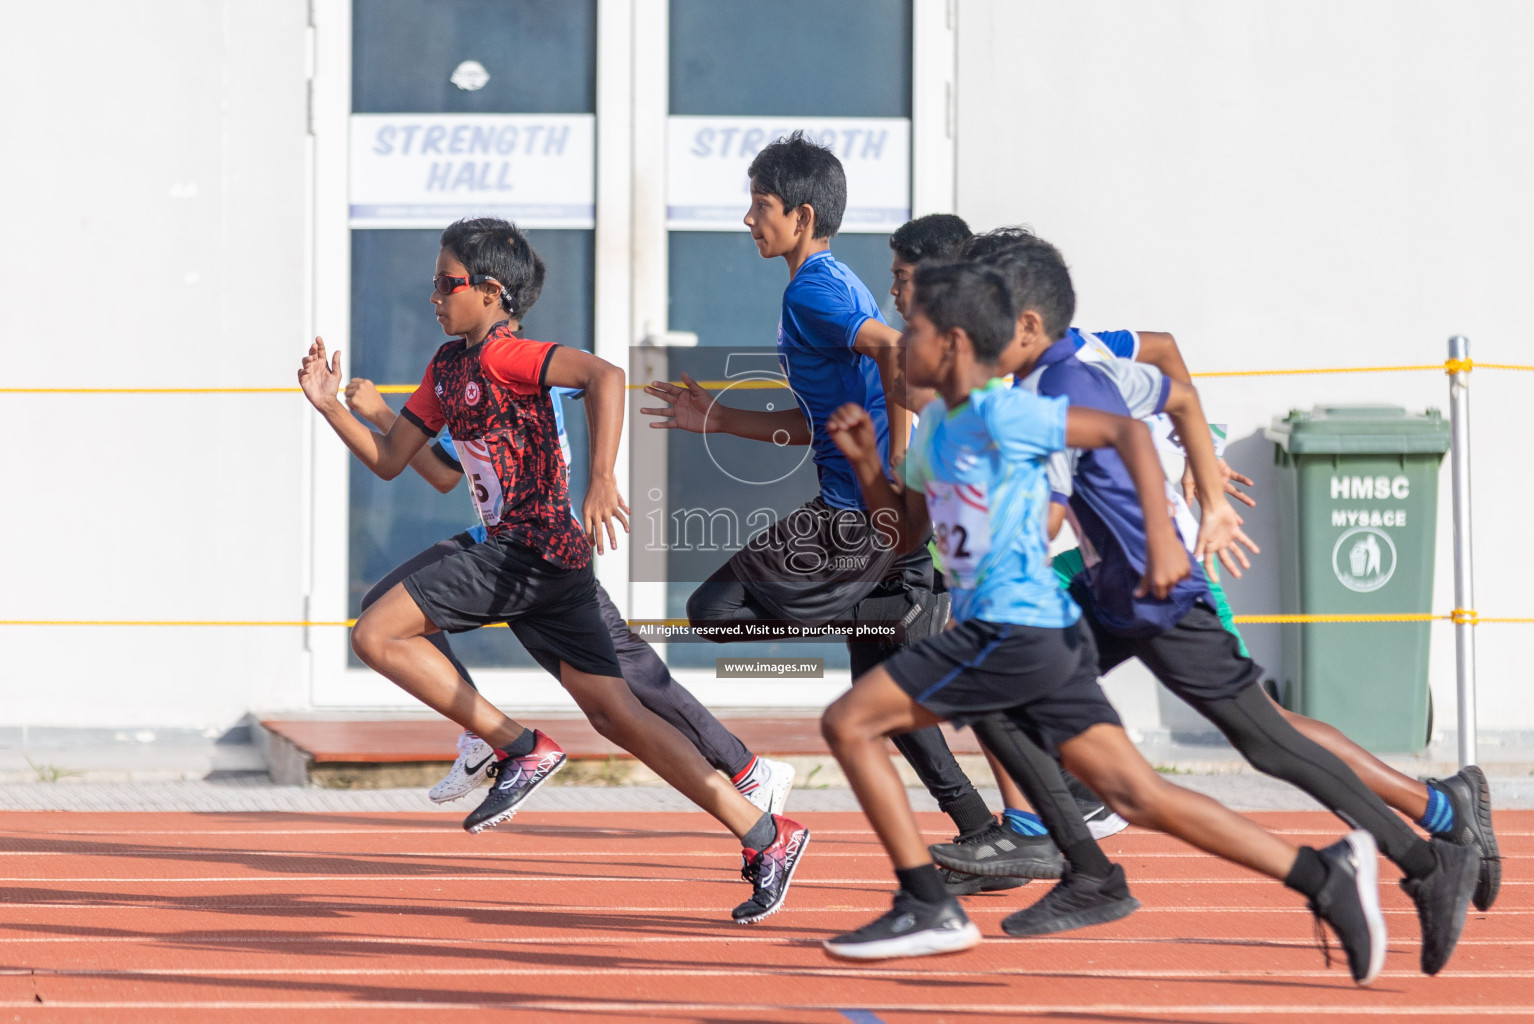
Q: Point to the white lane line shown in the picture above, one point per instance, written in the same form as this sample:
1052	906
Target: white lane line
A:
1074	1010
712	972
450	826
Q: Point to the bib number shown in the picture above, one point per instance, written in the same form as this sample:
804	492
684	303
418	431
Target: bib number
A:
961	528
484	484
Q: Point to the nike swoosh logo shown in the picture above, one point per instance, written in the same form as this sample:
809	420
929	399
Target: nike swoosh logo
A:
473	769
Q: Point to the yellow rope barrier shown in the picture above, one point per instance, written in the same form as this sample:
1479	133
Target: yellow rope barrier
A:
1448	366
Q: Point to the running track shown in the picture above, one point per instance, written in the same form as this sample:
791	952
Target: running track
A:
139	917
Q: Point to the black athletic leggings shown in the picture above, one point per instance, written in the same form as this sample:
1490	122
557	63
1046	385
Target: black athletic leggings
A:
723	598
1200	661
643	670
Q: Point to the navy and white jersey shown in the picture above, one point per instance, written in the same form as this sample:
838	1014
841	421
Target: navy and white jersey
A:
1100	493
824	307
1119	344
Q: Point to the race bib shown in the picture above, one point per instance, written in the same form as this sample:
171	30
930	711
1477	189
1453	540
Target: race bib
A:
961	529
484	484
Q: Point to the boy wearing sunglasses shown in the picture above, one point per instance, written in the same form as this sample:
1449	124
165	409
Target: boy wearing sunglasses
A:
766	783
534	569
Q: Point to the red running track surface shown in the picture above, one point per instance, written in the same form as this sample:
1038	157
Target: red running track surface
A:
169	918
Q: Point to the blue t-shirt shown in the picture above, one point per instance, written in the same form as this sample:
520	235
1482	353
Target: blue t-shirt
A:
983	469
824	306
449	454
1101	493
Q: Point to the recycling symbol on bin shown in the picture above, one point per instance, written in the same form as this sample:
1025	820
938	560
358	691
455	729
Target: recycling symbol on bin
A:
1364	559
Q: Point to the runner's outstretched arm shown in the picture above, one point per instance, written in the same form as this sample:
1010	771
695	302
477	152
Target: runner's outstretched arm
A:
388	454
362	398
693	407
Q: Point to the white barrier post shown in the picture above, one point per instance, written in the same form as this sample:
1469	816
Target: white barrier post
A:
1464	581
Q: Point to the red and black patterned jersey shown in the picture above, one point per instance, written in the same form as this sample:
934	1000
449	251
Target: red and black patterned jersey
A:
493	400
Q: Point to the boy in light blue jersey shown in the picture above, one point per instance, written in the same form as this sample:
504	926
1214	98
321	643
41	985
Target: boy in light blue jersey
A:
1177	635
1186	649
1019	658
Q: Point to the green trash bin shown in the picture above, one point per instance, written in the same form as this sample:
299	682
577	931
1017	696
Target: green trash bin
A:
1357	511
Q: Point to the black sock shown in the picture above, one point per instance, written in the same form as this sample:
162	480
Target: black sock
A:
761	835
1087	858
522	745
970	814
922	882
1308	874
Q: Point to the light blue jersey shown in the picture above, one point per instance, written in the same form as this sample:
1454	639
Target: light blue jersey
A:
982	467
449	454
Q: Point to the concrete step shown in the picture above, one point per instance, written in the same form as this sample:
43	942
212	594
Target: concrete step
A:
353	753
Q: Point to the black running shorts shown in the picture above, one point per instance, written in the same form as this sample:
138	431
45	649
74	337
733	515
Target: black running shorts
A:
1047	677
552	611
1198	659
813	565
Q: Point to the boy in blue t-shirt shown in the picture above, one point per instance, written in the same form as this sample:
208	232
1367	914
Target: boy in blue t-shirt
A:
1019	655
1178	635
828	561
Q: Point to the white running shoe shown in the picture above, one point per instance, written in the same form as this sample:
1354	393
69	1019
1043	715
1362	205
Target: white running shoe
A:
767	785
1103	822
475	757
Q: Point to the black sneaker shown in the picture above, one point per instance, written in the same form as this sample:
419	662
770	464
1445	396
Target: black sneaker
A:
771	870
1076	901
957	883
1442	898
996	851
1349	901
515	780
911	928
1471	798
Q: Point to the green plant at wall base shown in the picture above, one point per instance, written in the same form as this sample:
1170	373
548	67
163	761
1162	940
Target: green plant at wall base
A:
809	780
48	772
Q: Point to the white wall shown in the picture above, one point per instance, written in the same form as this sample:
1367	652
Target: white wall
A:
1301	184
1281	185
155	234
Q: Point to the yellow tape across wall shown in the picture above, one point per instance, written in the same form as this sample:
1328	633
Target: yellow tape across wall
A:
1448	366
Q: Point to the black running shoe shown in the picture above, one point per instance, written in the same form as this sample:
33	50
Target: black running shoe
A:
957	883
996	851
771	870
515	780
1471	798
1349	901
1442	898
911	928
1076	901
